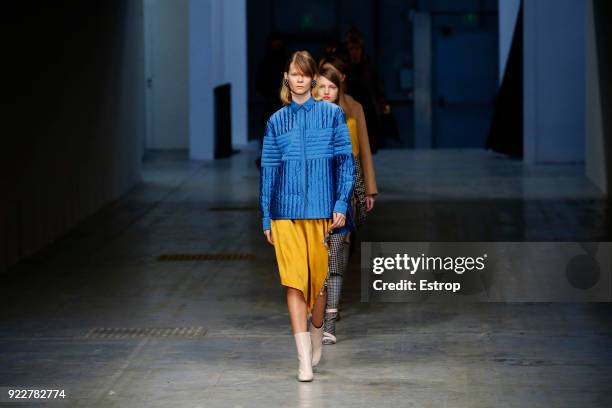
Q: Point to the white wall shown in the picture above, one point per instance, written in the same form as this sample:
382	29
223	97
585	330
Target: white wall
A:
167	59
554	81
235	65
595	147
508	12
217	55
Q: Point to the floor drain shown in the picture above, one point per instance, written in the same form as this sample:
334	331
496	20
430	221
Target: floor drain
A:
230	208
206	257
138	332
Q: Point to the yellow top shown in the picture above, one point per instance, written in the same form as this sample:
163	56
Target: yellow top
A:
352	126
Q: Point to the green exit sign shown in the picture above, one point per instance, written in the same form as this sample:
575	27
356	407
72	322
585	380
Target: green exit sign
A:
306	21
471	19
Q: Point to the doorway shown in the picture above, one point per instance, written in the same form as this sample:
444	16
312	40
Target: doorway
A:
166	74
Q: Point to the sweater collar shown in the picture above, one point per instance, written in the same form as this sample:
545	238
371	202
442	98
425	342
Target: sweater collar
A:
306	105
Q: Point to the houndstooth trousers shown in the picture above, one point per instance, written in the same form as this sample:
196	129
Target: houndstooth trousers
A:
338	253
338	261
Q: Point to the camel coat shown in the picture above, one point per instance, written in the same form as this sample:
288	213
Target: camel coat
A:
353	109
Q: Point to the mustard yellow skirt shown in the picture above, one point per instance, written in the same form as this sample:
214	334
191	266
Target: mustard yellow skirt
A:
301	255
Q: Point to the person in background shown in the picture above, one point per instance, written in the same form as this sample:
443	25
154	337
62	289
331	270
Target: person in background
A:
350	105
330	89
364	84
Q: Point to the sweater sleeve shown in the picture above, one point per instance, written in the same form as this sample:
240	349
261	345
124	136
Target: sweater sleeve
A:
270	166
344	163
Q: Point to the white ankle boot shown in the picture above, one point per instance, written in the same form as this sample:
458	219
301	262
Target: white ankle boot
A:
304	350
316	338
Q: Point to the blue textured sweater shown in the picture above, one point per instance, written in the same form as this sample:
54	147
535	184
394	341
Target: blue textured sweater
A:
307	165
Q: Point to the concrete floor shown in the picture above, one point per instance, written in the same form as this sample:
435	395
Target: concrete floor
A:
81	314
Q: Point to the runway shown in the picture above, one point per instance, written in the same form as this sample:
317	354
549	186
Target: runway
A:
170	297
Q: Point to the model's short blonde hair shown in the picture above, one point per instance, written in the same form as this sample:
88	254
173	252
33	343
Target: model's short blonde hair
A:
307	65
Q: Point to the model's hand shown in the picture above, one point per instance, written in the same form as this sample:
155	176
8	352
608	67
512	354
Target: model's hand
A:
369	201
339	220
268	235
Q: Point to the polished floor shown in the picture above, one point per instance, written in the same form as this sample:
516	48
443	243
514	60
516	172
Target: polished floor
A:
169	297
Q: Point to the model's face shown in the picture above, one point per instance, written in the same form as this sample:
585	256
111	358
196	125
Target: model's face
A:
327	89
298	82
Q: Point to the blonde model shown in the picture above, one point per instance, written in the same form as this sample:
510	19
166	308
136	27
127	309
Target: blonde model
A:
307	176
